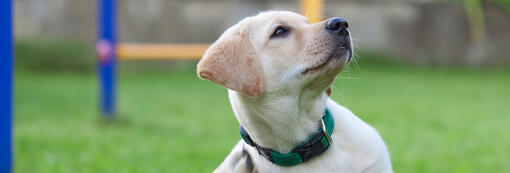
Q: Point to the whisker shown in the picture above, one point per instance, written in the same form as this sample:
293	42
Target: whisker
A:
348	77
308	9
336	90
355	55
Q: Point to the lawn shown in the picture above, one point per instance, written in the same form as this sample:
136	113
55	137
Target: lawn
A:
432	119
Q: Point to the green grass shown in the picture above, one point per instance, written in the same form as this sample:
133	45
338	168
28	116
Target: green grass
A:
433	120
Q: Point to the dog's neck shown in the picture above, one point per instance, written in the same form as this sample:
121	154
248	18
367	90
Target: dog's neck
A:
279	122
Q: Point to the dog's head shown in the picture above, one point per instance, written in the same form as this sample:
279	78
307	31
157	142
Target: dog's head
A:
278	51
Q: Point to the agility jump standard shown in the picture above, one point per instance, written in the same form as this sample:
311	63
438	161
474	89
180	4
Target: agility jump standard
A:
109	50
6	86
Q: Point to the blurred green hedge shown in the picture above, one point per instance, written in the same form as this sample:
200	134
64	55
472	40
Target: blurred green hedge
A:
504	3
48	55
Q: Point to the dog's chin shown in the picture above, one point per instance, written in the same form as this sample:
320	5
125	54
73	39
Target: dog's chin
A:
333	63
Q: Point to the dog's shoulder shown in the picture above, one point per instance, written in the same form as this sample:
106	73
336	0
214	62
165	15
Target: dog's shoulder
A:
358	139
238	161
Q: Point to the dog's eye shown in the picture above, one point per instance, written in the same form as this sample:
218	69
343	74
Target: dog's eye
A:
280	31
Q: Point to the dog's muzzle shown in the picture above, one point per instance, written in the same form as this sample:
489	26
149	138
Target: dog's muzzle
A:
341	45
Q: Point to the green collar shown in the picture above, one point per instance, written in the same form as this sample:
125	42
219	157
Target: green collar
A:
316	144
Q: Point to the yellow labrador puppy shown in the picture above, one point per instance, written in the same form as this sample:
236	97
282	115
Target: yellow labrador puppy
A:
279	70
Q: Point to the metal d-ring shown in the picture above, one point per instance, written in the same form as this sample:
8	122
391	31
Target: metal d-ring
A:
328	137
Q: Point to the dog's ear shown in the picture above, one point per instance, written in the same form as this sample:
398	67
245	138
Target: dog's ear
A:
232	62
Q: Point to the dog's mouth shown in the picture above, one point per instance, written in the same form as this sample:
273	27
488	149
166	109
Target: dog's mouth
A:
343	50
319	66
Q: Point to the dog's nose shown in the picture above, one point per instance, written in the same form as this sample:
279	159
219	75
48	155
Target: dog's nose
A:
337	25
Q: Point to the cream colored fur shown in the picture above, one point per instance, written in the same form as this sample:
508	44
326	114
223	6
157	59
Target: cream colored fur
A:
278	89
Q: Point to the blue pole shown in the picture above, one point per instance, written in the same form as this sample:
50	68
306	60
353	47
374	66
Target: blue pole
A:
6	86
105	47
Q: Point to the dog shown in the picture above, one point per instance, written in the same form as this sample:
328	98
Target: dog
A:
278	69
